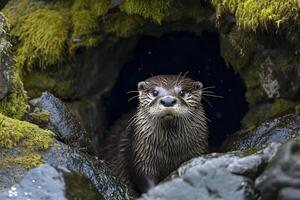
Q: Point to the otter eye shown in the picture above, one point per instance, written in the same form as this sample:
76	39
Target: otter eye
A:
155	93
182	93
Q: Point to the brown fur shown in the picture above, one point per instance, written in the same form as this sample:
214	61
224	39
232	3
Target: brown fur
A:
145	149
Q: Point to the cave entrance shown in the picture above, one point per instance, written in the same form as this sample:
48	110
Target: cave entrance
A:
177	52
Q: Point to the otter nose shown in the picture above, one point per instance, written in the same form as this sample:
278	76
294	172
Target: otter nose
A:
168	101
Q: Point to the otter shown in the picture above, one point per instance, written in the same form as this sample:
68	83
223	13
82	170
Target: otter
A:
168	128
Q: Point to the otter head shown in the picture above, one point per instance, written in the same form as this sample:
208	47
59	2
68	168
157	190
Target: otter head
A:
169	96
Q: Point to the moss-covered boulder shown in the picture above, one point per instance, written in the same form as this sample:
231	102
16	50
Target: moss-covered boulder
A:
259	40
12	95
22	145
6	59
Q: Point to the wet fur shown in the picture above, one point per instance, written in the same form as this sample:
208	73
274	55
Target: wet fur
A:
144	150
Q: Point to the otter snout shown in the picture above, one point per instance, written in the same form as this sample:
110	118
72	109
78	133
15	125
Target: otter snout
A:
168	101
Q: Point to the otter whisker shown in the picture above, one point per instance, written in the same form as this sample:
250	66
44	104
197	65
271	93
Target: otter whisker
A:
132	91
205	99
209	87
208	92
211	95
182	78
177	79
133	97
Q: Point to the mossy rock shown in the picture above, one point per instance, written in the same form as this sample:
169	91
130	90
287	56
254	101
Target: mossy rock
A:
21	145
278	130
14	103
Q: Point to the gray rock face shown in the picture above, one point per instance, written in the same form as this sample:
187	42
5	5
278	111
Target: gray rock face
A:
277	130
46	182
203	184
279	73
235	162
96	171
62	121
6	59
281	179
215	176
247	166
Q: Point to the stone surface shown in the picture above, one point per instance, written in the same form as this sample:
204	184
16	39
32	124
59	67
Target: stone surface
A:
216	176
281	179
46	182
6	59
61	155
203	184
239	163
279	73
95	170
277	130
289	194
62	121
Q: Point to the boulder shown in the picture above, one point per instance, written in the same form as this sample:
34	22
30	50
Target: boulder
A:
215	176
61	120
203	184
47	182
281	179
278	130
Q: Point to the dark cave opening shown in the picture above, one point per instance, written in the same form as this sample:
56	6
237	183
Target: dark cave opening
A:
177	52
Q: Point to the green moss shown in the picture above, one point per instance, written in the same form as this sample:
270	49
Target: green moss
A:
86	22
15	104
37	82
279	106
129	25
165	10
14	132
43	36
27	161
263	14
42	117
27	139
154	9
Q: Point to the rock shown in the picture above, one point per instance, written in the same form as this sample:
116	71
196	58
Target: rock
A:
277	130
279	73
247	166
46	182
289	194
62	121
90	112
281	179
239	163
61	155
215	176
95	170
6	59
203	184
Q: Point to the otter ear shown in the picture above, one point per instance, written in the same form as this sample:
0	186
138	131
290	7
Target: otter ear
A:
141	85
198	85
